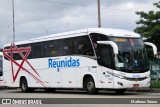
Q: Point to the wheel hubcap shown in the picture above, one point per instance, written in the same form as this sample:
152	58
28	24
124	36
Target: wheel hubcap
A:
90	85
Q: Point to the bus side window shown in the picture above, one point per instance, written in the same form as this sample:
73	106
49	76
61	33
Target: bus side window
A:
24	53
63	48
98	37
17	56
51	48
82	46
66	46
37	50
69	46
8	53
104	55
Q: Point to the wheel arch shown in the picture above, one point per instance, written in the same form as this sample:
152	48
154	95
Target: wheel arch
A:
86	76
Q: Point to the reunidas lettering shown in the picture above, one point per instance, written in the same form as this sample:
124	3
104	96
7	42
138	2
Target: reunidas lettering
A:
63	63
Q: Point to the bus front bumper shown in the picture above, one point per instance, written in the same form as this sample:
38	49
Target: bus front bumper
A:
123	83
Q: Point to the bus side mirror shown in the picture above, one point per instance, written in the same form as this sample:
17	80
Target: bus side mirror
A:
112	44
154	48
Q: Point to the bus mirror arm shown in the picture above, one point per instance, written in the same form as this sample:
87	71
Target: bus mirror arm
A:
114	45
153	47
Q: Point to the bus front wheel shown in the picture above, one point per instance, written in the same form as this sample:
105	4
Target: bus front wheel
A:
90	86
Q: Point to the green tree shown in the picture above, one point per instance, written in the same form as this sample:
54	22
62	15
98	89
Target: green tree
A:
149	25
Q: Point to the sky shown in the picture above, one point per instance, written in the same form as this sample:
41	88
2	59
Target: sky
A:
36	18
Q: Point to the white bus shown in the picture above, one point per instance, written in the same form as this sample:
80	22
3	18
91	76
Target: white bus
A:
90	59
1	69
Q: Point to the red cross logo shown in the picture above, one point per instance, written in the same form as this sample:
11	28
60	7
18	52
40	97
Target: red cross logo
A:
23	52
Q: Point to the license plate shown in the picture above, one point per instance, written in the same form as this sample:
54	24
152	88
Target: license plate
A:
135	85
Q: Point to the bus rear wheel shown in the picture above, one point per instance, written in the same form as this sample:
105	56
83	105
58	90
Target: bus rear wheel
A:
24	86
90	86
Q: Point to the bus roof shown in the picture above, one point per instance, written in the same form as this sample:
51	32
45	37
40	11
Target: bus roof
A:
105	31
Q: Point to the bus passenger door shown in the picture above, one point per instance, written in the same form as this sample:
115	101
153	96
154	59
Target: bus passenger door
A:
105	59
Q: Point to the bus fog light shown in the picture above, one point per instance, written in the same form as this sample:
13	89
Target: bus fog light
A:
119	83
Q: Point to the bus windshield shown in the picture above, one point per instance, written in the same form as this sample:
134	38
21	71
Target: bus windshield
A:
131	56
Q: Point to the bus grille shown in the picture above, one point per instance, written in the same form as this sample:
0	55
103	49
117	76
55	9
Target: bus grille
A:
135	79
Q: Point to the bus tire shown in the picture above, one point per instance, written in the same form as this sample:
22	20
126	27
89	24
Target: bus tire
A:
24	86
120	91
90	86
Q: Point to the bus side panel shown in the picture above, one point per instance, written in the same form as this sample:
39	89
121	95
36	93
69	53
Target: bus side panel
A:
54	77
8	77
107	77
38	72
78	78
68	77
99	77
41	81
